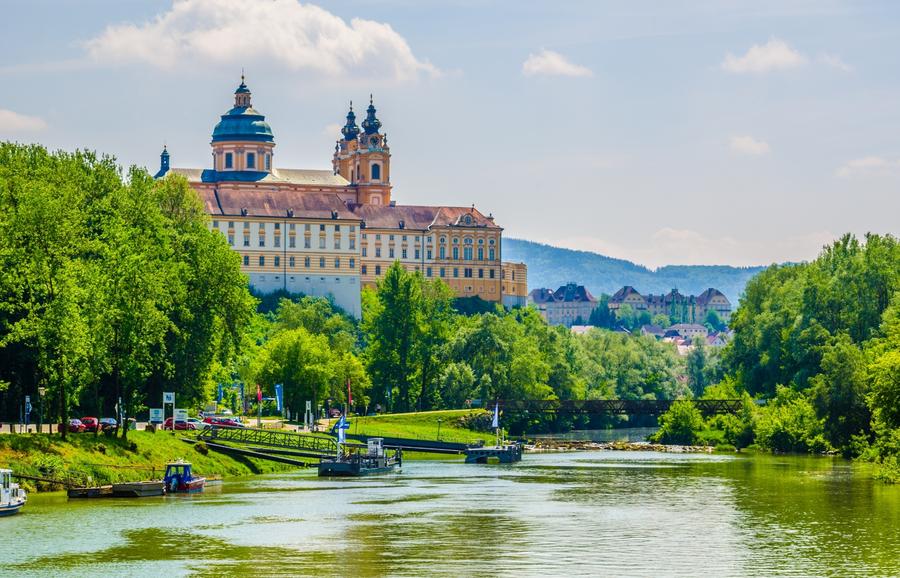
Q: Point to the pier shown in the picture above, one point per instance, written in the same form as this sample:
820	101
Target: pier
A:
506	454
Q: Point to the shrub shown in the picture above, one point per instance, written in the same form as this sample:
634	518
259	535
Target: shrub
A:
201	448
790	424
680	425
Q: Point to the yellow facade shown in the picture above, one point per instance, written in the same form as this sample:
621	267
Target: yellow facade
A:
330	233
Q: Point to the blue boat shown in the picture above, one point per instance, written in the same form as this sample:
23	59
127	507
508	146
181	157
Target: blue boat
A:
180	480
12	497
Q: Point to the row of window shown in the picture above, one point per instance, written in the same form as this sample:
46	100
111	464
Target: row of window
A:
442	272
292	227
442	253
250	159
292	242
292	262
466	241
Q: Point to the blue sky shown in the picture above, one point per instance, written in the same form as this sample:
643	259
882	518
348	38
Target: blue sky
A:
661	132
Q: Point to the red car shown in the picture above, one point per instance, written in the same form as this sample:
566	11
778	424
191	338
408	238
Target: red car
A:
75	425
179	425
222	421
90	423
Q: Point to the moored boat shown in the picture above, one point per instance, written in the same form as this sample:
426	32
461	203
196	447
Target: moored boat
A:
93	492
356	462
12	497
180	480
138	489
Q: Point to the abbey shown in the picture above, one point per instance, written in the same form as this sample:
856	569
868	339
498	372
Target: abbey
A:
331	232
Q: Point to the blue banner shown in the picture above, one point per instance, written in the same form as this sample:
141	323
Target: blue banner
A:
218	393
279	395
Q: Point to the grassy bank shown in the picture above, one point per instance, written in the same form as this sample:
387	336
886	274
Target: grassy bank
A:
102	460
455	425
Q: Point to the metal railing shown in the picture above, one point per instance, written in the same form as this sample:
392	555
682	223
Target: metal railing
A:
270	438
614	406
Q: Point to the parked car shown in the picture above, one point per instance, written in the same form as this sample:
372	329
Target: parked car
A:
198	424
75	425
334	412
90	423
226	411
108	423
222	421
179	425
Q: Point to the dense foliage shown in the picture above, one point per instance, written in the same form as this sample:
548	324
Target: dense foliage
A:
111	288
820	342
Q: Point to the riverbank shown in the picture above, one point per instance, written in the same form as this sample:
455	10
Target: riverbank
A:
562	445
456	425
97	460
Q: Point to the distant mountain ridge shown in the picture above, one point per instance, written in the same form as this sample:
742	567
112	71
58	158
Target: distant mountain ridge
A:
551	267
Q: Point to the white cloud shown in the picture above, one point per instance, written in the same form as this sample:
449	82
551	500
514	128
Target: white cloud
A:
749	145
835	62
285	32
14	122
773	55
333	130
873	165
671	246
550	63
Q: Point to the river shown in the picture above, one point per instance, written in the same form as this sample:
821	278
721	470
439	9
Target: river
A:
598	513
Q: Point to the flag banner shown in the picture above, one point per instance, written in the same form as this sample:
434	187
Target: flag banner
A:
340	425
496	423
258	394
218	393
279	395
349	394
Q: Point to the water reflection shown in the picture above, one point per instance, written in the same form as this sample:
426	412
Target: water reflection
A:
597	513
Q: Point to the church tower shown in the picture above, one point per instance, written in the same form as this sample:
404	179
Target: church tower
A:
364	158
346	148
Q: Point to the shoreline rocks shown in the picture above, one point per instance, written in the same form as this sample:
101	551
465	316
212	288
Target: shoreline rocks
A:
559	445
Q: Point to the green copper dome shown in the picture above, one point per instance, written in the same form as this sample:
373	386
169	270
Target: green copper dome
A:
242	122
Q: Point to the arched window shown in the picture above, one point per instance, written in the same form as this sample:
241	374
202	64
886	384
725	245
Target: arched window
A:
376	172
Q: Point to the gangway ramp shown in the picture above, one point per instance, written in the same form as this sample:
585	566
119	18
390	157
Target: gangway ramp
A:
298	444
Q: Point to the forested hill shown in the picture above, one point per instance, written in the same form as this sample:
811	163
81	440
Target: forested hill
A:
553	266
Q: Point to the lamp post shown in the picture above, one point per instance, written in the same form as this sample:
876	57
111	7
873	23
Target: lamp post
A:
439	420
41	391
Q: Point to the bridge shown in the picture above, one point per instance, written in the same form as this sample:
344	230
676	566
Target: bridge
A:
261	440
613	406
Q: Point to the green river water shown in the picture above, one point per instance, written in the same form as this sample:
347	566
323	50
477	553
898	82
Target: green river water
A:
596	514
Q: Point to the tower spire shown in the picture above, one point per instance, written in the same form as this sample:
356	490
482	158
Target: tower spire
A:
350	131
371	124
242	94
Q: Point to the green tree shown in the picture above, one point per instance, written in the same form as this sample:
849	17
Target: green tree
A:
662	320
679	425
391	322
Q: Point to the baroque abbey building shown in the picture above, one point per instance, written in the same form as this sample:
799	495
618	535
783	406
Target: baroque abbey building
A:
331	232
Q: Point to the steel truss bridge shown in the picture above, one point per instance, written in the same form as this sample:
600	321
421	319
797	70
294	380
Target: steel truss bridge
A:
612	406
295	443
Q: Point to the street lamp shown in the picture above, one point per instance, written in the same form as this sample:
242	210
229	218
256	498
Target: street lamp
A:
439	420
41	391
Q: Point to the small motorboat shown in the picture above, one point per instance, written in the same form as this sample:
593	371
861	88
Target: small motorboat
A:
12	497
180	480
373	460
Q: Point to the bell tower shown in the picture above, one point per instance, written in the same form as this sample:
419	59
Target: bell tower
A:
346	148
372	168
